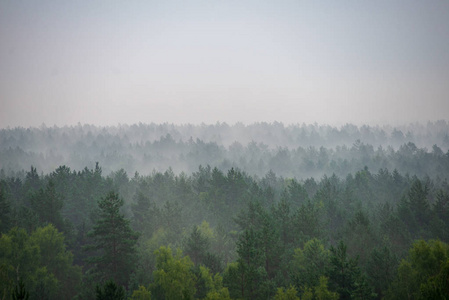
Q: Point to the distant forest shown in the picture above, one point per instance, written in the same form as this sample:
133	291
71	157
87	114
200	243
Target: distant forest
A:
299	151
263	211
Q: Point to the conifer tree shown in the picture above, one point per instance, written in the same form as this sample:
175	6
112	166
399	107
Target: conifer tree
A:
48	204
110	291
5	211
114	242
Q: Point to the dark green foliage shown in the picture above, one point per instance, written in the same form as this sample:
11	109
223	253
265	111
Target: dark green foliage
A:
415	210
342	271
261	229
224	245
417	197
172	219
32	181
142	212
423	274
297	194
41	261
266	237
197	247
307	222
309	264
437	287
48	205
360	237
246	280
57	260
283	217
20	292
439	225
5	212
110	291
345	276
113	242
381	269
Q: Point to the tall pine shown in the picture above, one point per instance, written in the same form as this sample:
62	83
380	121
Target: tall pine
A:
113	242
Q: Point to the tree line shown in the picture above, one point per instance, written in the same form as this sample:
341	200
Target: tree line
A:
218	234
299	151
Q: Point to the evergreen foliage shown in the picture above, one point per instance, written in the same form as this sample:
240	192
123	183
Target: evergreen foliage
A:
110	291
20	293
243	236
113	242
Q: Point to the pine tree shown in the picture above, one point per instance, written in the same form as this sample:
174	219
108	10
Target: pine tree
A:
48	204
114	241
5	212
110	291
419	204
196	246
345	277
251	263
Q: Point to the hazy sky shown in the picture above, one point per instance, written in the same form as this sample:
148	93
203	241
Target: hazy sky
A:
333	62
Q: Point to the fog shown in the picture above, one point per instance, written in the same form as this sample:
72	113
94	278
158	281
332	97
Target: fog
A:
293	151
102	63
224	149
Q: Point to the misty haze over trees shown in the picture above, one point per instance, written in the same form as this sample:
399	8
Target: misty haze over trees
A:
299	151
274	203
261	211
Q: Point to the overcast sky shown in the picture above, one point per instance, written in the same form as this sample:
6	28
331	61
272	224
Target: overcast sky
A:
333	62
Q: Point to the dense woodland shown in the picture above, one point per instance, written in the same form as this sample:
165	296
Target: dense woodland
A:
263	211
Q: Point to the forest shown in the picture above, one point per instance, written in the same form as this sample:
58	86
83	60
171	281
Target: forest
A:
261	211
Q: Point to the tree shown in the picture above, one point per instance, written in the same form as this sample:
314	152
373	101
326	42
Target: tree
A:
141	294
297	194
57	260
307	222
440	225
415	209
322	292
48	205
309	264
437	287
110	291
144	212
172	220
113	242
246	279
21	260
5	211
286	294
283	218
173	277
32	180
359	237
381	269
265	237
209	286
41	261
423	274
418	201
196	246
345	276
20	292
